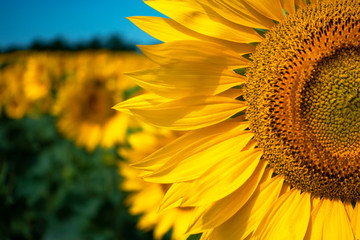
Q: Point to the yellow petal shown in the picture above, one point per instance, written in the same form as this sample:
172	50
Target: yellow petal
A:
187	79
355	221
286	188
142	101
288	218
201	161
164	223
206	235
181	224
232	93
239	12
142	142
167	30
164	29
288	5
194	51
190	113
329	220
91	136
174	195
147	221
146	199
130	182
301	3
118	121
191	143
212	215
194	17
246	220
269	8
223	178
349	209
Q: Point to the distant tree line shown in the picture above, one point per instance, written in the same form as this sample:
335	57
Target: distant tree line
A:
113	42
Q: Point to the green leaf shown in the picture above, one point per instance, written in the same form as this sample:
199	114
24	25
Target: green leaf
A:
240	71
194	237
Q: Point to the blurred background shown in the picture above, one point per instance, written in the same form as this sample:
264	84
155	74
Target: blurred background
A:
61	71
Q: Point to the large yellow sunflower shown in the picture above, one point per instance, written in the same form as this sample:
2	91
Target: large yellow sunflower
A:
269	90
95	82
145	198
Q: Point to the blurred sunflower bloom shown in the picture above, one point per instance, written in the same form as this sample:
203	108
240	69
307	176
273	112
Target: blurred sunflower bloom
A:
26	82
94	83
268	91
145	198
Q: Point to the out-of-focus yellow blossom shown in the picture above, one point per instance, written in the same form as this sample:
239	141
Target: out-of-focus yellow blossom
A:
145	198
95	81
27	80
12	94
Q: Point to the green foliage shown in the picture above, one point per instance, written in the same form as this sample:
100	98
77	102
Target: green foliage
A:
52	190
240	71
194	237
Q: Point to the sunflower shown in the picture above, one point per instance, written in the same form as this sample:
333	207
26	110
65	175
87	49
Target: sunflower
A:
11	92
144	197
94	83
25	83
269	92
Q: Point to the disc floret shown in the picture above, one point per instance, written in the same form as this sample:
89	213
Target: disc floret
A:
303	92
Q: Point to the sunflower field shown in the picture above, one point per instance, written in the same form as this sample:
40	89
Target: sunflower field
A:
62	146
241	124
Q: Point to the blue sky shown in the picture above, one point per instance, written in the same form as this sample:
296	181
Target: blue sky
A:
22	21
